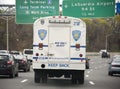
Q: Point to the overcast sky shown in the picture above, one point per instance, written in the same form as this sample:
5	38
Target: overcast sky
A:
13	1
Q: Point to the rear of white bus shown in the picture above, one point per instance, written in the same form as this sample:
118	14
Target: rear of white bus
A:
59	48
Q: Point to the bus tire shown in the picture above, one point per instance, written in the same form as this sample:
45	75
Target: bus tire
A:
37	77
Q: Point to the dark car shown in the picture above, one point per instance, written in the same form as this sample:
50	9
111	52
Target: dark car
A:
24	63
8	65
105	55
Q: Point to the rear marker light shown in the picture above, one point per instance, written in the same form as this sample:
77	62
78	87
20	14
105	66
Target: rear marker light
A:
77	47
37	54
23	61
40	46
59	16
80	55
65	17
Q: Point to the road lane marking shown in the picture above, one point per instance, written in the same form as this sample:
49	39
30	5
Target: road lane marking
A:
91	69
25	80
91	82
86	76
88	72
96	67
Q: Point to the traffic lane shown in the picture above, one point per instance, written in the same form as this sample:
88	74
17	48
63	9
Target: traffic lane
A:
66	83
57	84
98	74
17	82
95	77
96	80
98	62
26	81
9	83
54	83
100	79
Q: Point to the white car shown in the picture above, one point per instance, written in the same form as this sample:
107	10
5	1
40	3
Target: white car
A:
4	51
28	53
101	51
16	54
24	63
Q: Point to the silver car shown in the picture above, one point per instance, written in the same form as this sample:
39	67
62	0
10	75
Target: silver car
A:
114	66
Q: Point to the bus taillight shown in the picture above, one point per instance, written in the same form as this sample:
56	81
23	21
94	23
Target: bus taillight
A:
40	45
81	55
77	46
37	54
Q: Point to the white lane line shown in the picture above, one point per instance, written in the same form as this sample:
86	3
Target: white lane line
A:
91	70
25	80
91	82
96	67
88	72
86	76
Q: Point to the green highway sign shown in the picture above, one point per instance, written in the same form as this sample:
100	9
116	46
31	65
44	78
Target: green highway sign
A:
89	8
27	11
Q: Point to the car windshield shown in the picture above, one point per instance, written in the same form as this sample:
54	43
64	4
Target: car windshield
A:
4	57
28	52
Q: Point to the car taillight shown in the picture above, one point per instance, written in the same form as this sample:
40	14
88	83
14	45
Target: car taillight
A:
40	45
9	62
23	61
115	65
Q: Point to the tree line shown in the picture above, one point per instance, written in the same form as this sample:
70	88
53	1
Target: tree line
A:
21	36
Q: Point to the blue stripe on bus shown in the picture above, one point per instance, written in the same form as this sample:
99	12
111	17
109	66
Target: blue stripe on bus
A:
70	46
37	45
73	46
35	57
70	58
77	58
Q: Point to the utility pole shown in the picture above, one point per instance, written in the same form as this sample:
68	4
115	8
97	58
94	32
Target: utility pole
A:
7	15
107	36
